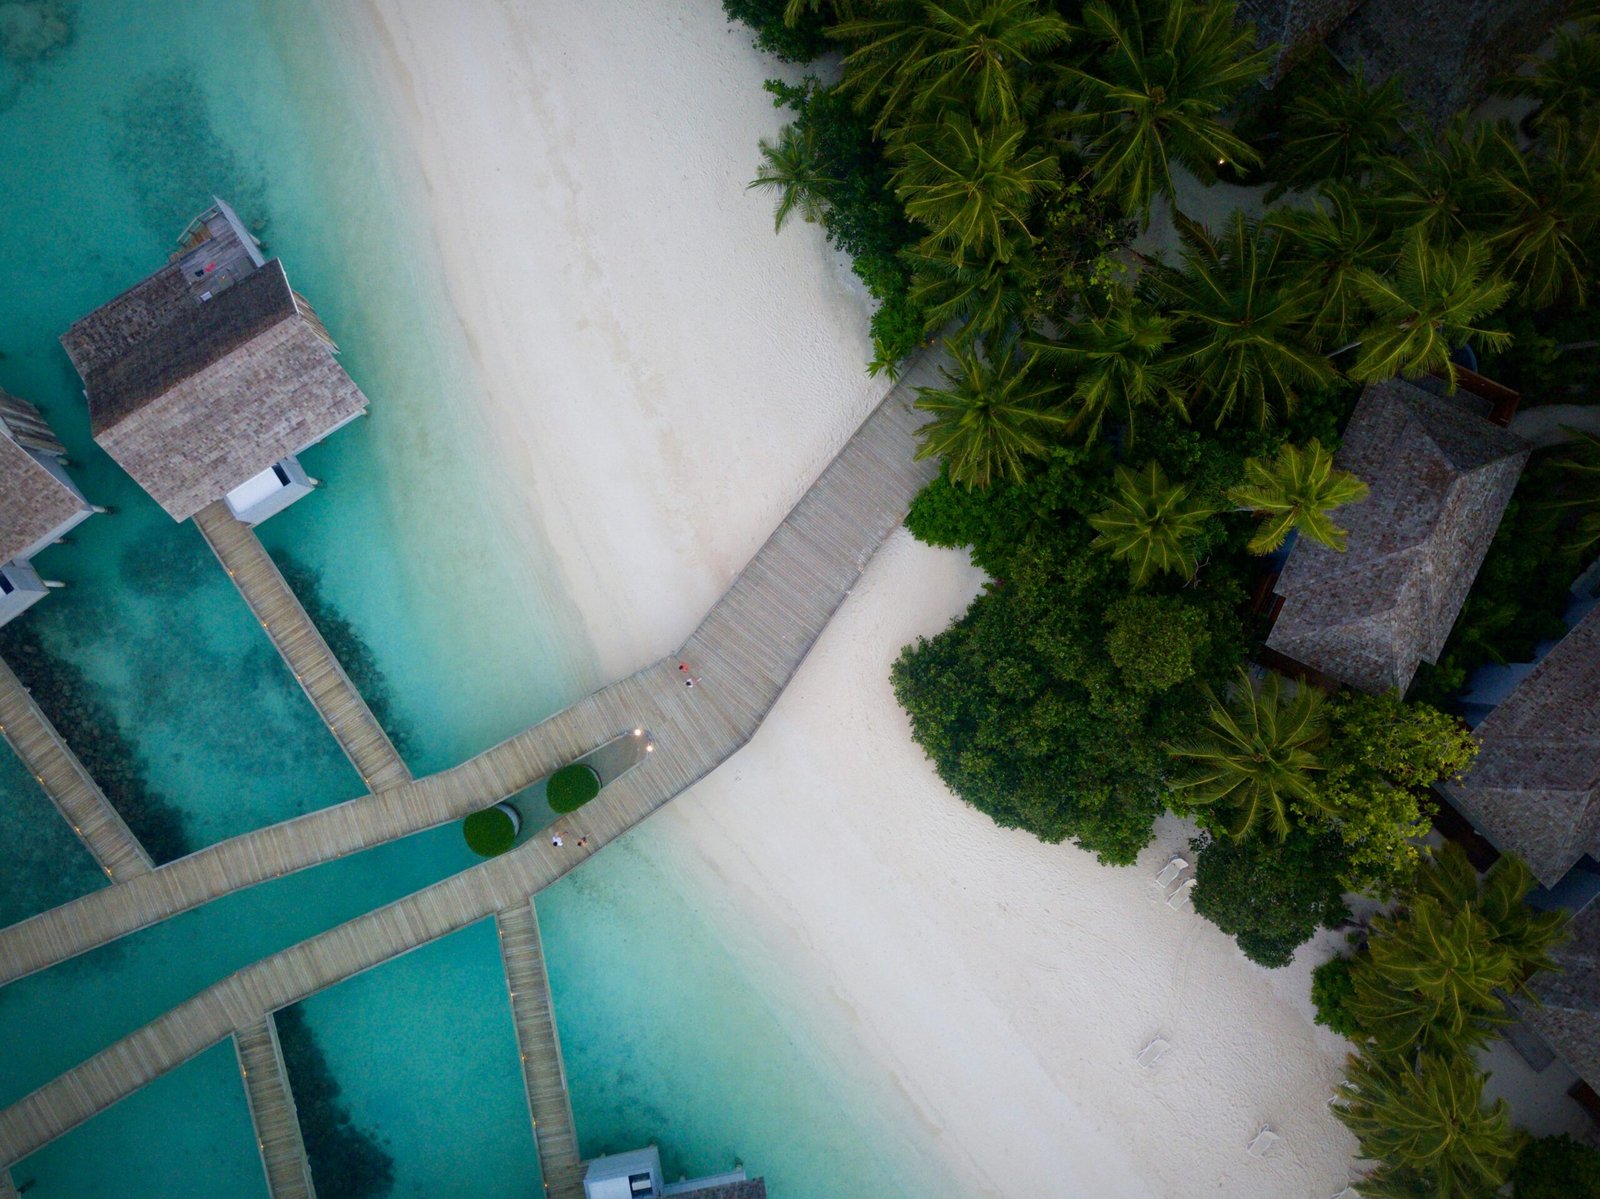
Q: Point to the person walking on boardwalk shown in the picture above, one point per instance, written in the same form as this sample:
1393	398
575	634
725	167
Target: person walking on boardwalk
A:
555	839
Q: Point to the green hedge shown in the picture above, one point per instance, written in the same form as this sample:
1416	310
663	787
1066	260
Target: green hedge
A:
571	787
489	832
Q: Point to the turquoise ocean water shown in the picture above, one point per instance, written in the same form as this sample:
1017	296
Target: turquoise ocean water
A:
118	120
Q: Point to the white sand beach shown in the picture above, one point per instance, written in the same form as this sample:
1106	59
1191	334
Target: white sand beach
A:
666	376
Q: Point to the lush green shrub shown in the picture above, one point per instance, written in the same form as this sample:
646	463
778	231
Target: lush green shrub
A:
896	330
1154	640
1331	991
490	832
571	787
1270	896
1556	1168
800	42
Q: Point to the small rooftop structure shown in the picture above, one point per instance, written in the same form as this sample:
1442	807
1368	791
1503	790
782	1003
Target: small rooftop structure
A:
1534	789
39	504
1569	1018
1440	476
637	1175
206	379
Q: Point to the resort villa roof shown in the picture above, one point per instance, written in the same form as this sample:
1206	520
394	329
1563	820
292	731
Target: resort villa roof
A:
1534	789
1569	1018
210	371
1294	27
1440	476
35	501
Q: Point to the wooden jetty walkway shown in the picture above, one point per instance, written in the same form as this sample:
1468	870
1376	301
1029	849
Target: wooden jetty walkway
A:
76	795
8	1189
744	653
316	669
272	1111
538	1041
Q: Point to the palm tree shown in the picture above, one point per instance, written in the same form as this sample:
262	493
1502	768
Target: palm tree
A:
1244	321
1581	461
1547	207
1442	188
922	55
1296	491
1120	363
792	168
1151	522
972	187
1327	245
1428	1125
1428	304
1566	83
993	415
988	299
1255	757
1335	130
1157	76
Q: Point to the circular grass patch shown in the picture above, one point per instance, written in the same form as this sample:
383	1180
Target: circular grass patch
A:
571	787
493	830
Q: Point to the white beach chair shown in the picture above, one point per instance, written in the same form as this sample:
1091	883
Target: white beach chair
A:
1171	871
1151	1053
1180	898
1265	1140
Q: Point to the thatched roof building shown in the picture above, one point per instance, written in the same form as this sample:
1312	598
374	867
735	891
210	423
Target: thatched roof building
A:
208	373
1440	476
1534	789
38	503
1295	27
1569	1019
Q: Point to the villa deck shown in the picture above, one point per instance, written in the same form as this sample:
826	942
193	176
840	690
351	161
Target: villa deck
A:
272	1111
744	654
336	699
76	795
539	1043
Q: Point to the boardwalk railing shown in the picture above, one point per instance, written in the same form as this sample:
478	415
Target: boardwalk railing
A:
744	654
76	795
272	1111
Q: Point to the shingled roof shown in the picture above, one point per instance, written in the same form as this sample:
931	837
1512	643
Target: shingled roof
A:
33	502
1534	789
1295	27
1440	477
1569	1018
205	374
755	1188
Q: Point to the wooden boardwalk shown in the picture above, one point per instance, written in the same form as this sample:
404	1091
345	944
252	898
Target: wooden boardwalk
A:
272	1111
745	653
76	795
316	669
539	1043
8	1189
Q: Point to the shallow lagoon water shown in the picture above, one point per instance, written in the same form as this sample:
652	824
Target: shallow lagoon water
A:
108	145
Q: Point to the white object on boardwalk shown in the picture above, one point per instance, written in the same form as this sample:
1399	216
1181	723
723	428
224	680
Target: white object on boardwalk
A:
1265	1140
1171	871
1151	1053
1180	897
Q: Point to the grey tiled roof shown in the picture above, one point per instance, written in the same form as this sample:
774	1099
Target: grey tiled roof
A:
1535	787
755	1188
33	502
1294	26
1569	1018
1440	477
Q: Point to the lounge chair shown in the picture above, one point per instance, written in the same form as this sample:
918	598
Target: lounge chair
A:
1180	897
1171	871
1265	1140
1151	1053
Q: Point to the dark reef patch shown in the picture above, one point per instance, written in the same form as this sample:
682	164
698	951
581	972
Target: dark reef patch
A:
346	1159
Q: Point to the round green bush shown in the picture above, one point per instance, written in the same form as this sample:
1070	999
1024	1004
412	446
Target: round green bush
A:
491	831
571	787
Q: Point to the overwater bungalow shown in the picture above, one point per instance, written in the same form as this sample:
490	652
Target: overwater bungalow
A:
637	1175
39	503
1441	469
207	379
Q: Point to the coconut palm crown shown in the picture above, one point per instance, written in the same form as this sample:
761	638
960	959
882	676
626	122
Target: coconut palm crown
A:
1121	363
1296	490
1335	129
993	414
1150	523
791	167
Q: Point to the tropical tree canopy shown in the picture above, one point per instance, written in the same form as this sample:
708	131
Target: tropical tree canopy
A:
971	186
1151	523
790	167
1120	363
1335	129
916	57
1328	244
1544	208
985	299
1257	755
1296	490
992	415
1155	79
1427	1123
1581	462
1566	83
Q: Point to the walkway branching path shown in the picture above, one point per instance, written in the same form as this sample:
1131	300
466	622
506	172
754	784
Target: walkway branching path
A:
744	652
272	1111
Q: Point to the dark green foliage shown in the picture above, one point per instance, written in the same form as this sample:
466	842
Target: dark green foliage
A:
800	42
1080	237
346	1160
1155	639
1270	896
490	832
1332	991
897	329
571	787
1556	1168
84	721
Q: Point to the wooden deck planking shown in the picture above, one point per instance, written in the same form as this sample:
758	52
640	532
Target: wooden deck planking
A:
314	666
68	784
272	1111
746	651
539	1043
8	1189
